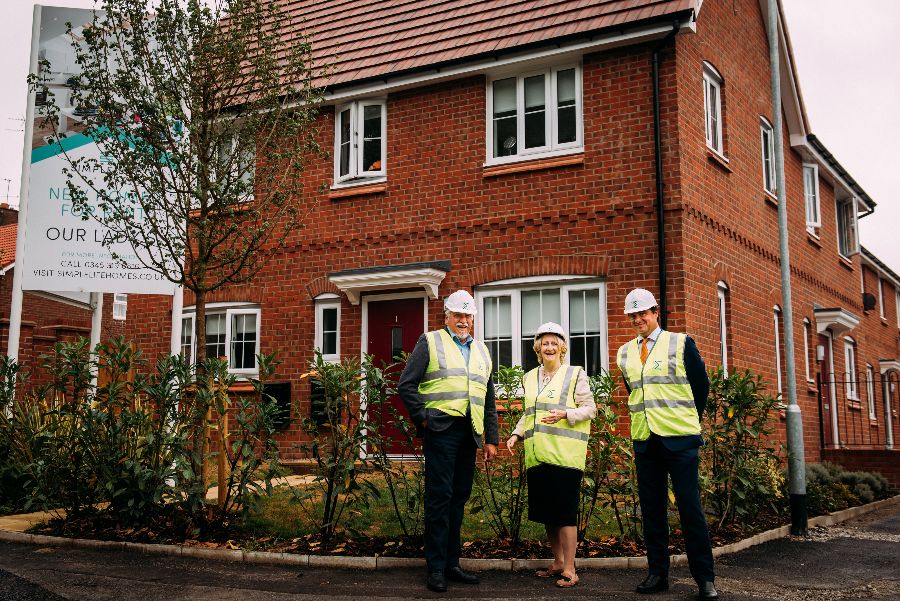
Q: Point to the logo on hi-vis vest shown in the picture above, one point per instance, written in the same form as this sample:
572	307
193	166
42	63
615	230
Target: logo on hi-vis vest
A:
656	364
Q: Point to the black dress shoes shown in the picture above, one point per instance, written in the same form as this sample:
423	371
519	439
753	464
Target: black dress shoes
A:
707	591
436	581
655	584
456	574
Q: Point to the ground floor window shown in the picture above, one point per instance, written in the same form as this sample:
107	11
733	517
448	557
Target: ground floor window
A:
512	310
232	332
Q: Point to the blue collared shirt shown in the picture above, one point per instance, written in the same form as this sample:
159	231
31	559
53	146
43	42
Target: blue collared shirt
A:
653	336
465	346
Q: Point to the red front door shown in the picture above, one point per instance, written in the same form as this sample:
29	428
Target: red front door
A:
394	326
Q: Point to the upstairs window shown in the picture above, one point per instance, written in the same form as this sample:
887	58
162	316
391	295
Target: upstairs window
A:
235	165
712	104
848	242
120	306
534	114
360	141
767	138
811	197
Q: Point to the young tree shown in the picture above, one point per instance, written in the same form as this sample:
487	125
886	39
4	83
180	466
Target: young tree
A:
203	111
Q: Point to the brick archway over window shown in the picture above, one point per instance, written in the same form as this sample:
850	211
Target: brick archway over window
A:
321	285
590	265
722	273
235	293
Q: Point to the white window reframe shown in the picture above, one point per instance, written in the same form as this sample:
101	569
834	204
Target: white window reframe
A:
852	224
812	204
870	391
355	173
722	296
850	382
881	313
239	156
897	306
187	331
230	310
767	150
120	306
779	379
323	302
713	82
514	287
807	328
551	108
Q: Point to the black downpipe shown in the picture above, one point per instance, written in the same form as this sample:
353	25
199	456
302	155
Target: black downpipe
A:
657	146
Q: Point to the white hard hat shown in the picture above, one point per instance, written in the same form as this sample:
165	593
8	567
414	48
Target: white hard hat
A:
550	328
639	300
460	302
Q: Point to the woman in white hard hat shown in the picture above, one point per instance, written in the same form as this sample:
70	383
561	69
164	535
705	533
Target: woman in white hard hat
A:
555	426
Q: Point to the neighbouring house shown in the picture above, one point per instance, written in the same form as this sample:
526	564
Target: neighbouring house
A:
540	155
48	317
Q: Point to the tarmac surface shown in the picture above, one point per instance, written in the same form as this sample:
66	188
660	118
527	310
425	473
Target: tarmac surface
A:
858	559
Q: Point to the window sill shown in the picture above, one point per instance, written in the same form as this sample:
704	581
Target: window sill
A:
771	199
873	422
854	404
813	239
884	322
718	160
534	165
357	190
845	262
811	387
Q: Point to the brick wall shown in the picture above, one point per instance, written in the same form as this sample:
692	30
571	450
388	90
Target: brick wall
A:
885	462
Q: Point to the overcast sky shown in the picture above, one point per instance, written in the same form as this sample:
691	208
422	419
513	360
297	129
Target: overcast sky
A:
845	57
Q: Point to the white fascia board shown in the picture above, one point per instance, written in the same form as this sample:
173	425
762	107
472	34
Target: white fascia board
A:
837	320
8	268
886	365
878	270
353	285
73	299
561	53
833	176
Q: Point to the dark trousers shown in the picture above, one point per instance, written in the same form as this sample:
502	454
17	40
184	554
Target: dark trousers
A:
653	464
449	469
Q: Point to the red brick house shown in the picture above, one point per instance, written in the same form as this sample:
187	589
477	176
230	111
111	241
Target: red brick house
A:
48	317
512	149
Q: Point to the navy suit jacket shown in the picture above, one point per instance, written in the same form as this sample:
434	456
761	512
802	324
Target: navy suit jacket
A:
699	381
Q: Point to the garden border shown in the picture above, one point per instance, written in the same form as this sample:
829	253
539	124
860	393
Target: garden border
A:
375	563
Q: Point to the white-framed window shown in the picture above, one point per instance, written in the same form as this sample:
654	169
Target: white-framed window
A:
712	105
232	332
513	310
807	328
328	327
881	298
870	391
533	114
360	141
848	241
722	295
767	143
120	306
811	196
897	306
850	369
779	377
236	162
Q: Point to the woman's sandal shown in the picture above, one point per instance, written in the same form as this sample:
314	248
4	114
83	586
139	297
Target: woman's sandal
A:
566	581
547	573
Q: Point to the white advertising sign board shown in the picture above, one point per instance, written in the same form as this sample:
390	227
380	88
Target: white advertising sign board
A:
63	250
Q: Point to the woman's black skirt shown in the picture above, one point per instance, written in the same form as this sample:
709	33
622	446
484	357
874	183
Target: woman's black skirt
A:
553	494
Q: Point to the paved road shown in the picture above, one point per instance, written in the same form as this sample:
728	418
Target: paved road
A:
855	560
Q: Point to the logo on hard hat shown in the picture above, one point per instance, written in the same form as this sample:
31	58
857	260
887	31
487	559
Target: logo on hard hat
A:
634	304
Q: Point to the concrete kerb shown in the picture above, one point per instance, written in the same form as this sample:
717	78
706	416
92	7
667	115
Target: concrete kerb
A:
374	563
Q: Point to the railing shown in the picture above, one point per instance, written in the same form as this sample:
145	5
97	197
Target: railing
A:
859	413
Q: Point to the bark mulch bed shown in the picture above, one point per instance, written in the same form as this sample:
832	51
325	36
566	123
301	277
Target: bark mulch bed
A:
171	531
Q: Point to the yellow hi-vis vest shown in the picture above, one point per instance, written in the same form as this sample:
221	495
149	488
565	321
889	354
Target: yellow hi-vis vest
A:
559	443
451	386
661	400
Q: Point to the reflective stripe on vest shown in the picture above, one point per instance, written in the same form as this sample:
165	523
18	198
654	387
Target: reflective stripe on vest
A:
559	443
661	400
451	386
